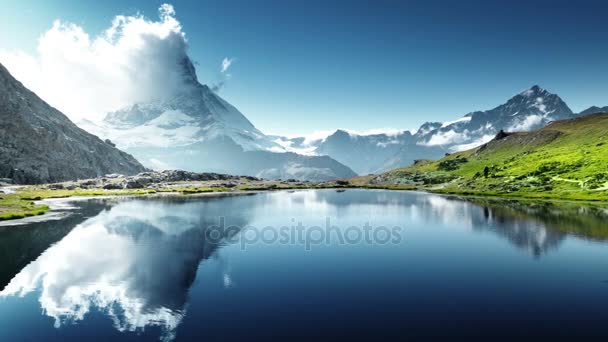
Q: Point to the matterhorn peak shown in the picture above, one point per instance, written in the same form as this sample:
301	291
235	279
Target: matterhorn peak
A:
535	90
188	71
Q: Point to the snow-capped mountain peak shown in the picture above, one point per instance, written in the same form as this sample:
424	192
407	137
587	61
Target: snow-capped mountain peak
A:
527	110
534	91
193	128
193	114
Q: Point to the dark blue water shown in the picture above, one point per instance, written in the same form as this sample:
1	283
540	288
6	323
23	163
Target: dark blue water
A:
307	265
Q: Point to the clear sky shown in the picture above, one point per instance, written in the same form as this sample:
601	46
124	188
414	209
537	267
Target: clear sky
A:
303	66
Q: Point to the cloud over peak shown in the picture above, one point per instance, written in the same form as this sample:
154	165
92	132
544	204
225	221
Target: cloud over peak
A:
135	59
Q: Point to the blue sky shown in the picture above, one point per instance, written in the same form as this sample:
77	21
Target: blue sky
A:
303	66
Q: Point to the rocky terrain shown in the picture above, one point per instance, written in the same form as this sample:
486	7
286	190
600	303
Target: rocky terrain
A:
39	144
20	201
153	180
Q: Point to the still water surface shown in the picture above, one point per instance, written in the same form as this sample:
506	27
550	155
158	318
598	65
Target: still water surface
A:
211	268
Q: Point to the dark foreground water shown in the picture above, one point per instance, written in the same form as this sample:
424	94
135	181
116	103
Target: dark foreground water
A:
307	265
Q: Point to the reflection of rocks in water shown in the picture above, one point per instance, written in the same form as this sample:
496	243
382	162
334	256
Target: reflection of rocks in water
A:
541	226
20	245
134	262
532	232
532	235
347	198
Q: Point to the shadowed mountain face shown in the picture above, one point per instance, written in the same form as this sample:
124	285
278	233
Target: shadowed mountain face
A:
38	144
194	129
594	110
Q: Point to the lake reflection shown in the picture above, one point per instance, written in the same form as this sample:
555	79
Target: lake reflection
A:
134	261
146	269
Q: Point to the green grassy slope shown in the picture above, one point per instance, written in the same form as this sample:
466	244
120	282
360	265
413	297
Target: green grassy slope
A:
567	159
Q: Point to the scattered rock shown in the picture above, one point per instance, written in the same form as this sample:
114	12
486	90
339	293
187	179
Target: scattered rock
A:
114	186
501	135
133	184
87	183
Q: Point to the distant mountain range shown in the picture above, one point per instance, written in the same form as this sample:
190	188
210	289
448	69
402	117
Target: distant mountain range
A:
531	109
38	144
566	159
197	130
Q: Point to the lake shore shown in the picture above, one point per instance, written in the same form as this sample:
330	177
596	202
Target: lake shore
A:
22	202
35	203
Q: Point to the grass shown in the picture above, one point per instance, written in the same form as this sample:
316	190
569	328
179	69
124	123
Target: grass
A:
565	160
21	203
13	207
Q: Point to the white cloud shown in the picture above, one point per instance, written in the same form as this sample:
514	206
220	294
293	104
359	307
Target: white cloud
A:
310	138
478	142
447	137
85	76
463	119
527	124
226	63
224	76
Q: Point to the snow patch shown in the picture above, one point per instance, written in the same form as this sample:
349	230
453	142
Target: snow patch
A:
463	119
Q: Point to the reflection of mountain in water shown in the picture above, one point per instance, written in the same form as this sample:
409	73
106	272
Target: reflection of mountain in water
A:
20	245
540	226
530	234
134	262
536	227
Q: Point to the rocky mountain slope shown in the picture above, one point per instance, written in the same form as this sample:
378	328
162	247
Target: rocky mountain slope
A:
528	110
594	110
196	130
566	159
38	144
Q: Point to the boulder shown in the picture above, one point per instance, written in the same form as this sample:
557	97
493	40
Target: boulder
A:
114	186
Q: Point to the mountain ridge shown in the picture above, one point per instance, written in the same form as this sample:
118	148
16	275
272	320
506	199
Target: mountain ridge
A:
530	109
566	159
40	144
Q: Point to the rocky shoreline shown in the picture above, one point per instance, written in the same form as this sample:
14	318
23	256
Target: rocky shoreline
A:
17	202
152	180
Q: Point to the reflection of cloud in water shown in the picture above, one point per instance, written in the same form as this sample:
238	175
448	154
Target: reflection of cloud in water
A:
132	262
447	211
